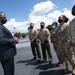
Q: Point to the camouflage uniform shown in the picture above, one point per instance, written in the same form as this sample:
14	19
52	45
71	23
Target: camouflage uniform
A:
67	34
54	40
64	34
72	34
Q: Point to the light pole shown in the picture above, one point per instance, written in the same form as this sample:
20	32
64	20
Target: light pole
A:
14	29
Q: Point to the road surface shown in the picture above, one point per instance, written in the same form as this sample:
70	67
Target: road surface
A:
24	65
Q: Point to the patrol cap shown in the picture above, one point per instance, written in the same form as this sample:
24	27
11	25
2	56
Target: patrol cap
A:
54	23
31	24
42	23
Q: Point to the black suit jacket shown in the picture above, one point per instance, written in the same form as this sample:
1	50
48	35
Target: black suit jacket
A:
7	43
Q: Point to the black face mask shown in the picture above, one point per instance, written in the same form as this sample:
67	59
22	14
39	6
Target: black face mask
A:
42	26
59	20
4	20
31	27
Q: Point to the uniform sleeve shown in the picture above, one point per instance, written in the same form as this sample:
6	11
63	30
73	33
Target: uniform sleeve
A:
47	32
72	30
35	32
66	33
51	36
4	40
69	33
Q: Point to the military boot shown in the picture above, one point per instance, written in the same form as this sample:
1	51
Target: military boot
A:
73	72
60	63
66	71
73	66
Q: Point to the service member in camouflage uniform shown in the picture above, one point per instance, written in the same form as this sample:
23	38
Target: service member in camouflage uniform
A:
72	39
34	42
68	42
64	37
55	41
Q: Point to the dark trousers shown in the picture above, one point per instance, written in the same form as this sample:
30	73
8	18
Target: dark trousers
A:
35	49
45	46
8	66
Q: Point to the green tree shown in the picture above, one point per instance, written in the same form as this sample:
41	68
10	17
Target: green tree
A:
23	35
49	27
17	34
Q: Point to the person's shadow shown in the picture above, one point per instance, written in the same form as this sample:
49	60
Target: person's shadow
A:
22	61
50	69
28	62
52	72
45	66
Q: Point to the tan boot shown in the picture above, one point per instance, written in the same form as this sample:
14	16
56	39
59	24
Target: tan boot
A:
73	72
59	64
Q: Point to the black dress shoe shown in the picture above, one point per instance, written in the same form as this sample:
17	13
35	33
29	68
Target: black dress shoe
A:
33	58
38	61
44	61
50	62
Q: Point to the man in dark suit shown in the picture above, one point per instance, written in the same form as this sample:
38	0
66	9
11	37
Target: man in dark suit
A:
7	47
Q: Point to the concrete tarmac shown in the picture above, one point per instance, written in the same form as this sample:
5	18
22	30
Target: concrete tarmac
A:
24	65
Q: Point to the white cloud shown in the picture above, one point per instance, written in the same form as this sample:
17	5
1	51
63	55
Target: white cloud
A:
19	26
42	7
50	17
56	13
41	12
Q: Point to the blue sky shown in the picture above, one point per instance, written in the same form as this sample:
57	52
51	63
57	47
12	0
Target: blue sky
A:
18	9
21	12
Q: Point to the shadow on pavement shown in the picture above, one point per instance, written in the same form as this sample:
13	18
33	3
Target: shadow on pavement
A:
28	62
52	72
45	66
22	61
50	69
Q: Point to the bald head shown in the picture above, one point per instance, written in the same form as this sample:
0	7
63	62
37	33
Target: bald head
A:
3	18
2	15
